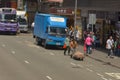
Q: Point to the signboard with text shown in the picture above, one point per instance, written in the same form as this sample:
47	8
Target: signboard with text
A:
63	11
92	18
20	4
60	1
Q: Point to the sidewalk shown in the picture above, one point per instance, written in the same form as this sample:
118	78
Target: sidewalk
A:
100	55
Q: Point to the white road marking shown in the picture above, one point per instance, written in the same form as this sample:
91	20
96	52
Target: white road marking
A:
3	45
73	64
49	77
13	52
104	78
115	75
89	70
26	62
52	54
79	65
99	74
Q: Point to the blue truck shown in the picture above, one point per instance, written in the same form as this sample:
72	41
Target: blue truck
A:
49	29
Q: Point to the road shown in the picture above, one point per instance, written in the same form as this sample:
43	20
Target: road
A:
22	59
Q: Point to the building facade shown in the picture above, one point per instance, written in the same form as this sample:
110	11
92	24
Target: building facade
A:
107	13
8	3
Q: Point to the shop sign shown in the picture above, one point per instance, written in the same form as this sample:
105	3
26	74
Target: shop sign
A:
20	4
92	18
60	1
57	19
61	11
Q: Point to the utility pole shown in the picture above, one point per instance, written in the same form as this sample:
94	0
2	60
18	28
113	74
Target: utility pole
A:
75	14
39	5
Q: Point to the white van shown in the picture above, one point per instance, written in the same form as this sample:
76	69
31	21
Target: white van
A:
23	25
22	20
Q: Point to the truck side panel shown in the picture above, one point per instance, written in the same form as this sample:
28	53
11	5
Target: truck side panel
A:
40	24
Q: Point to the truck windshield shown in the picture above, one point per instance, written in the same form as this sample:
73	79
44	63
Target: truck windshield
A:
57	31
8	18
22	21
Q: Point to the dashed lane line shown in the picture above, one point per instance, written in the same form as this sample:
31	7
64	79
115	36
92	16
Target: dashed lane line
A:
48	77
73	64
26	62
52	54
101	76
104	78
89	70
13	52
79	65
114	75
3	45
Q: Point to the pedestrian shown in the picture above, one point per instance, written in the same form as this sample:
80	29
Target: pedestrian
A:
109	46
116	46
73	46
67	43
77	36
94	40
71	33
88	43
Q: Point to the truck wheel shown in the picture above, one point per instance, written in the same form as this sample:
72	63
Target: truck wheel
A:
44	45
37	41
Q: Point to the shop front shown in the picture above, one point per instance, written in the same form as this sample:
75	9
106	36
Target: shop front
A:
105	24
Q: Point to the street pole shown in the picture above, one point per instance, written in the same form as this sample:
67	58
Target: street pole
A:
75	14
39	5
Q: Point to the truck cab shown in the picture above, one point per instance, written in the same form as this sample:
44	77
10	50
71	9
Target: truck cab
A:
22	21
23	25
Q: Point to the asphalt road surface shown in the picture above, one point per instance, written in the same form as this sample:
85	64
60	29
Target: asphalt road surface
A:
22	59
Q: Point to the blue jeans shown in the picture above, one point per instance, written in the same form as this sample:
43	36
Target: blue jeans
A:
118	51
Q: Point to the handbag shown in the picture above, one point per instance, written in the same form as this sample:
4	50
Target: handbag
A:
84	47
64	46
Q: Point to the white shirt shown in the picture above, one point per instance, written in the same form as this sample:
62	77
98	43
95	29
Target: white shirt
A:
33	24
109	43
77	34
